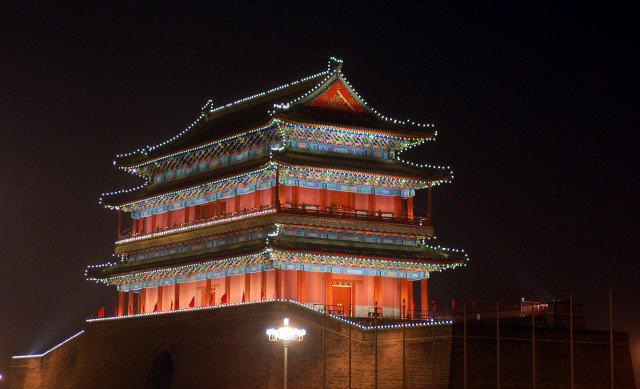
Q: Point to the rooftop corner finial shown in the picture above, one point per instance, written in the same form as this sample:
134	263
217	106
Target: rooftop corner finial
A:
335	64
206	109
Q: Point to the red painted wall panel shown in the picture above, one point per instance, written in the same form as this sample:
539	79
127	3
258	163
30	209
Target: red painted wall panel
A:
310	196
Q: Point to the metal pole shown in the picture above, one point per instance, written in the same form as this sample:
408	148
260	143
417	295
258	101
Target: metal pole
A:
611	331
404	359
498	338
464	343
571	333
324	348
433	354
375	320
533	338
350	356
285	366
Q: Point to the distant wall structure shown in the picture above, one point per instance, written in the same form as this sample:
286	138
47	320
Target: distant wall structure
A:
226	346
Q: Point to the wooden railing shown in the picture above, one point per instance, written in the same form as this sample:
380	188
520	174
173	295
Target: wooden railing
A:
350	213
307	210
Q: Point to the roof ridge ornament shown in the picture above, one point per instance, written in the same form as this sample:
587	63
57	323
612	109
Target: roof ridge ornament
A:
206	109
335	64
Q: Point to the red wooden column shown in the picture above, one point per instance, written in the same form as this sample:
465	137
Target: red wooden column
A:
410	207
176	296
130	305
247	286
142	301
404	298
372	203
377	291
410	297
295	194
258	199
301	286
282	195
160	289
397	201
121	303
263	285
227	288
278	283
207	293
424	297
323	199
169	219
328	298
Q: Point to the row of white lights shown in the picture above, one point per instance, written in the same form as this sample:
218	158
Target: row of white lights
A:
346	129
329	75
270	165
222	306
266	251
368	328
211	110
258	95
199	225
200	147
149	148
356	173
269	250
338	73
276	233
394	262
50	350
274	121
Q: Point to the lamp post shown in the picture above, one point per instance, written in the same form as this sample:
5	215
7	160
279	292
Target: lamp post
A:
286	334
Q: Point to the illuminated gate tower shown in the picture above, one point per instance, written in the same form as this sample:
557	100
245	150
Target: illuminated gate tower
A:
295	193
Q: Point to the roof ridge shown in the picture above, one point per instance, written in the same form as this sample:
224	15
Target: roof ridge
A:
206	113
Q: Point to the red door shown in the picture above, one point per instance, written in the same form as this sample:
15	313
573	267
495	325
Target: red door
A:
343	298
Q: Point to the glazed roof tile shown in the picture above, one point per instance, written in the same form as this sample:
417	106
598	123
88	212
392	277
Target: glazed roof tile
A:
290	102
287	157
423	254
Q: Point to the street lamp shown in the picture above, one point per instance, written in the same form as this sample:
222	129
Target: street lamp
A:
286	334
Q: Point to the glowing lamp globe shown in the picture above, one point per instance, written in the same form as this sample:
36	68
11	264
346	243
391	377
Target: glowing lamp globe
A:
286	333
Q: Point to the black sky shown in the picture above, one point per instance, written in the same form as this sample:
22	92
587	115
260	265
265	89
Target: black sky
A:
536	111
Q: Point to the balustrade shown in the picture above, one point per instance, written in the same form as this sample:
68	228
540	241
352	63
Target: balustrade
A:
339	212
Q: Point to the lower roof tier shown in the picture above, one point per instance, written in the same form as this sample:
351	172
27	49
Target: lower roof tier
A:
281	252
289	222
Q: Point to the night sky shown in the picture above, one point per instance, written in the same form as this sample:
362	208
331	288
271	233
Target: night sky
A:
536	111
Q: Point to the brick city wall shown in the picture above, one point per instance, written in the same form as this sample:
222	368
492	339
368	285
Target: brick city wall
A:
228	347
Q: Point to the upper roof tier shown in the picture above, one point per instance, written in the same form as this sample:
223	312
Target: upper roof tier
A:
324	99
373	168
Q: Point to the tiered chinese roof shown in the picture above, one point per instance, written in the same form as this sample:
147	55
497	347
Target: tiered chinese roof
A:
296	130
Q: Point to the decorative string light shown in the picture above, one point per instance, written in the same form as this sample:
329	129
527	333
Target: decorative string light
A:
277	161
335	73
50	350
417	324
421	267
147	149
